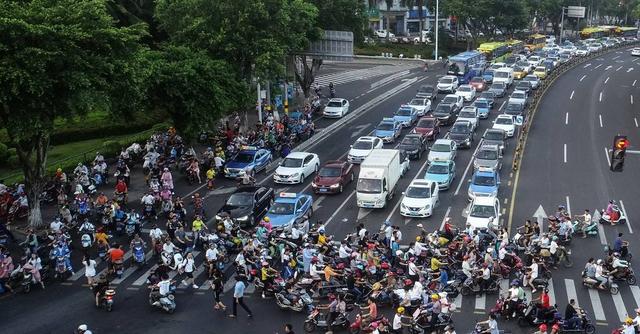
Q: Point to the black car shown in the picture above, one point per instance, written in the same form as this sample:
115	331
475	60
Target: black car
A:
462	133
489	96
247	205
514	109
413	144
524	86
445	113
495	137
427	92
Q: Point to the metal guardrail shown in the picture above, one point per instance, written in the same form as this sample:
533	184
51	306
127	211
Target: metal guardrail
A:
542	90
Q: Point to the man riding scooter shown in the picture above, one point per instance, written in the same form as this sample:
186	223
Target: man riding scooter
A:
99	287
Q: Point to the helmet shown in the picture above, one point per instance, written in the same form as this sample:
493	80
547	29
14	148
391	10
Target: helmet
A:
616	254
399	252
83	327
418	238
599	261
265	263
628	321
321	231
555	237
435	296
266	219
543	328
400	309
314	259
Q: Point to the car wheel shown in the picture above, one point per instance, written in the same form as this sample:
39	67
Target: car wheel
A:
302	178
315	169
352	177
341	189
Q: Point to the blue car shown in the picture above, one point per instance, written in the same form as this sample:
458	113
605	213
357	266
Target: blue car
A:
249	160
288	207
484	182
488	75
388	130
442	172
483	107
406	115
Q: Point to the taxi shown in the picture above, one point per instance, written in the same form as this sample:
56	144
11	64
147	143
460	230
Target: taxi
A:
250	159
540	72
388	130
288	207
484	182
519	73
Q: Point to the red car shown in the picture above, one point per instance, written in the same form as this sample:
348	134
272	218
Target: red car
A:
478	83
332	177
428	127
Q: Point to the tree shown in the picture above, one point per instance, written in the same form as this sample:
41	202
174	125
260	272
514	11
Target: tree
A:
131	12
346	15
60	58
416	3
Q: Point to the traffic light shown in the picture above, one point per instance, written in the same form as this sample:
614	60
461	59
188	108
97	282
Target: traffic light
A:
620	144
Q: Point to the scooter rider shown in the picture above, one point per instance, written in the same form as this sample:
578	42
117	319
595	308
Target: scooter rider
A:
601	274
584	220
621	246
619	266
148	201
164	289
571	315
99	287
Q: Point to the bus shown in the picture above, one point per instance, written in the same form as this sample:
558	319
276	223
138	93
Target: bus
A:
465	65
515	46
627	32
493	50
535	42
593	32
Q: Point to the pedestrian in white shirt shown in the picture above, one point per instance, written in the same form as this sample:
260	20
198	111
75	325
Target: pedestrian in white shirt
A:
89	270
188	266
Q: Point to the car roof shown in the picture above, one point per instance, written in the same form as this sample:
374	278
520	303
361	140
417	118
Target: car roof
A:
489	147
421	183
494	130
448	77
484	200
294	197
504	116
462	121
298	154
366	138
333	163
443	141
337	99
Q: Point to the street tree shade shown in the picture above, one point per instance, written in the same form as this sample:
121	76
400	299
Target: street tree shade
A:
60	59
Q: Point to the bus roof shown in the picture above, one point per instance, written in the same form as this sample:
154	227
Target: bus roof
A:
488	47
538	36
464	56
627	28
589	30
514	42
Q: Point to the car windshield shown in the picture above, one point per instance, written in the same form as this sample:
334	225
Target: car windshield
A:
240	199
467	114
530	78
437	169
291	162
459	128
501	74
330	171
363	145
488	72
518	95
425	89
493	135
243	157
370	186
279	208
464	89
541	69
441	148
498	86
446	80
514	107
442	109
481	104
449	100
518	69
385	126
504	120
482	211
411	141
425	123
403	112
487	154
484	180
523	85
417	192
334	104
417	102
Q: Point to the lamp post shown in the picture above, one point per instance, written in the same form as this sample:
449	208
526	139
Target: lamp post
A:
435	57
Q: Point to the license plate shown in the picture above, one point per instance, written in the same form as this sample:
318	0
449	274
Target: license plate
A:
323	190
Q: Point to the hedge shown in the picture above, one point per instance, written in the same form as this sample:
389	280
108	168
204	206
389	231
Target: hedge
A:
4	153
68	135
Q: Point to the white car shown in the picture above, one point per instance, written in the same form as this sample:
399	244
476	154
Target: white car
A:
518	96
534	61
423	106
443	150
505	122
469	114
569	48
482	211
383	33
635	52
594	47
296	167
419	199
456	100
336	108
582	51
496	66
362	147
448	83
467	92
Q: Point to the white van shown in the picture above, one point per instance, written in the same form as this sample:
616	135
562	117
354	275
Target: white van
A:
504	75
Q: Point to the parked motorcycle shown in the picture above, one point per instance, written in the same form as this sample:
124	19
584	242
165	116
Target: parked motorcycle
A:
470	286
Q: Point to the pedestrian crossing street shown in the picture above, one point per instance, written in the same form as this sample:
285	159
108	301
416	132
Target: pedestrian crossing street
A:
361	74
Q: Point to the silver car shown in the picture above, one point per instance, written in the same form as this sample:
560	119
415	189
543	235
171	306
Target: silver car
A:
488	157
495	137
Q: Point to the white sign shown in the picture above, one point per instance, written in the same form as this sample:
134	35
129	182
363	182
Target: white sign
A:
519	120
575	11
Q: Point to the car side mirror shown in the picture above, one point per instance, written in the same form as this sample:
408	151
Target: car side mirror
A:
403	193
350	146
305	165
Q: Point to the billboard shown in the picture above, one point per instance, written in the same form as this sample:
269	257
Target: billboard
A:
575	11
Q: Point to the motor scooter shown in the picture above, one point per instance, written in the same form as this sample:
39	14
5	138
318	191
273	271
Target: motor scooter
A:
616	217
317	321
106	300
166	303
139	257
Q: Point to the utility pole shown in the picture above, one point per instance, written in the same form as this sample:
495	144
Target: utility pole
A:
435	57
258	102
562	25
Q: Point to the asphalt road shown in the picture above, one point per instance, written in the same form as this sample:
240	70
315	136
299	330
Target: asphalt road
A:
565	163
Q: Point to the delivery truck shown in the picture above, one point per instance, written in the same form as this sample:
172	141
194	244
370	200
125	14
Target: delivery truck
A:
378	178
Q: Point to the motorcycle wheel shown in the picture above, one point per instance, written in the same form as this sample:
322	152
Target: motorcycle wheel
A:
465	291
614	290
590	329
309	326
631	280
170	311
109	307
27	288
354	330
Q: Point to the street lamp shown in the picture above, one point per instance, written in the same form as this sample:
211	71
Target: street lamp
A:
436	48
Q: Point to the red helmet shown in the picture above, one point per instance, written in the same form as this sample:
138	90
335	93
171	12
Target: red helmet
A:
407	281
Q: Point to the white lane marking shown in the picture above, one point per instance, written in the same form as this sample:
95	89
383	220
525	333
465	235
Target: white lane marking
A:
565	155
597	66
466	170
502	105
629	69
527	292
635	291
602	235
608	67
616	57
458	301
144	276
481	301
620	308
566	118
571	97
600	117
339	208
571	290
600	98
584	76
568	205
552	293
635	120
504	284
625	214
619	68
634	83
317	202
607	80
631	96
606	154
446	214
597	305
585	66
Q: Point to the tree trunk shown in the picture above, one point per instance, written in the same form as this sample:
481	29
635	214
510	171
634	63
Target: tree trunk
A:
305	75
32	155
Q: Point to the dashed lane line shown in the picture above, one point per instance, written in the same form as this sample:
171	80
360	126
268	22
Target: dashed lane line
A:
571	97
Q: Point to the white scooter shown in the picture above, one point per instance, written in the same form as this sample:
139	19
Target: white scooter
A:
618	217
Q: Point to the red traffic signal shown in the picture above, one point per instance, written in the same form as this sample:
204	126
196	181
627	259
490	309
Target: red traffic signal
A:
621	143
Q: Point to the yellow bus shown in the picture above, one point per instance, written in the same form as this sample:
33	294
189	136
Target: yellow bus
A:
493	50
535	42
593	32
515	45
627	32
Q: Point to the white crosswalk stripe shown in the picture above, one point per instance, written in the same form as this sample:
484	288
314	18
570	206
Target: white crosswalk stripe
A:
635	291
598	311
360	74
571	290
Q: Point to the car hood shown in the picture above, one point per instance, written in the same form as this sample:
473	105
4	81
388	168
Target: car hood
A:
424	130
408	148
359	153
326	181
235	211
503	126
287	170
235	164
333	109
416	202
280	220
433	155
384	133
436	177
478	222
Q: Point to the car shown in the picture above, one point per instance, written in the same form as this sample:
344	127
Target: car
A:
484	182
495	137
296	167
333	177
497	66
595	47
388	130
419	199
514	109
442	150
413	145
499	89
524	86
488	156
505	122
287	208
421	105
518	96
488	96
540	72
482	212
487	75
525	65
510	61
483	106
569	48
362	147
533	80
478	83
467	92
249	160
428	127
554	59
247	205
635	52
549	64
462	133
470	114
519	72
406	115
445	113
441	172
534	60
564	57
336	108
456	100
583	51
427	92
447	83
382	33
